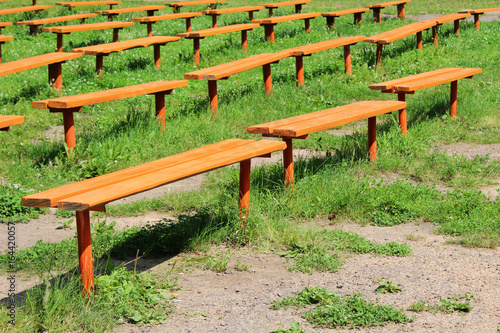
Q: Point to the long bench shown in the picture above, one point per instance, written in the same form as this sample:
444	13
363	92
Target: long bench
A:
299	127
444	19
309	49
70	104
4	25
150	20
409	84
7	121
53	60
297	3
270	22
478	12
358	18
3	39
68	29
196	36
150	11
104	50
216	12
72	4
396	34
377	7
34	24
35	9
224	71
93	194
176	6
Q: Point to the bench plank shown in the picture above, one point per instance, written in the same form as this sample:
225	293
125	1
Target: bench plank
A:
297	3
10	120
71	4
24	9
150	20
270	22
216	12
150	10
33	24
330	16
377	7
88	27
178	5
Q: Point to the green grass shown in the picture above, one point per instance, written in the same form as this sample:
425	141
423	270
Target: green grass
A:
447	305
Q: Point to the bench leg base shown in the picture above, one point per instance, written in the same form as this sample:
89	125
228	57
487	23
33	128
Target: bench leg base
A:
288	164
347	59
268	80
330	22
196	49
453	99
212	94
476	21
85	251
435	35
188	24
69	130
55	76
402	114
378	56
401	11
299	68
419	40
377	17
358	19
372	138
157	56
244	190
244	40
269	30
99	64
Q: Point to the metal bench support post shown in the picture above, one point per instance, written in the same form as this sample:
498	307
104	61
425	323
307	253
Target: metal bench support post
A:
85	251
453	99
299	68
419	40
378	56
269	30
372	138
402	114
212	94
268	80
188	24
55	75
244	40
347	59
358	18
401	11
196	48
244	195
288	163
157	56
330	22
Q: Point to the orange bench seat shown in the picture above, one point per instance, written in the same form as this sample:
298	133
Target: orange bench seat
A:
478	12
150	11
7	121
176	6
297	3
3	39
34	24
35	8
216	12
71	4
270	22
377	7
358	18
150	20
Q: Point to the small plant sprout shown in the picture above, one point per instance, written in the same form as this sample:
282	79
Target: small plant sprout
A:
387	286
240	267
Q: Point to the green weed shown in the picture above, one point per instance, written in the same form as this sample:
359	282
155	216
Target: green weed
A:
295	327
216	265
387	286
240	267
447	305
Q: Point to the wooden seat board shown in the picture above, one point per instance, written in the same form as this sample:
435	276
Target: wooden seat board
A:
24	9
36	61
10	120
193	3
88	27
219	30
108	95
399	33
129	10
480	11
50	198
87	3
286	18
387	4
345	12
156	18
438	79
329	44
5	24
5	38
125	45
57	19
286	3
450	17
232	10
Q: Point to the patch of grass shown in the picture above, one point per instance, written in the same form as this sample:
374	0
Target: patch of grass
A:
240	267
414	238
295	327
10	205
387	286
447	305
216	265
309	259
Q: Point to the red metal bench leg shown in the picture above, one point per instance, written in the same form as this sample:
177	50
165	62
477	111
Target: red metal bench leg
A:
372	138
358	18
150	29
244	40
188	24
270	12
99	64
69	130
419	40
269	29
55	76
307	24
244	188
157	56
115	34
330	22
377	18
59	42
402	114
456	25
250	15
299	69
453	99
378	56
160	107
85	251
476	21
268	80
196	47
401	11
288	163
212	94
298	8
347	59
435	36
34	30
214	21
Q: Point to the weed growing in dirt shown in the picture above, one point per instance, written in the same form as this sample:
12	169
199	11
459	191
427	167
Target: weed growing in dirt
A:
217	265
240	267
349	311
295	327
387	286
447	305
10	205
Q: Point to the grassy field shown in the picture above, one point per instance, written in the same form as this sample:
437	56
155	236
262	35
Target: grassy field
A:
116	135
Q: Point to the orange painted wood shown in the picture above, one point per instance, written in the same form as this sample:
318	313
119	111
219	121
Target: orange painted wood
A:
285	3
321	46
88	27
399	33
286	18
480	11
10	120
108	95
5	24
125	45
232	10
372	138
57	19
36	61
387	4
317	121
85	251
5	38
23	9
71	4
219	30
129	10
288	163
177	5
169	174
244	189
153	19
339	13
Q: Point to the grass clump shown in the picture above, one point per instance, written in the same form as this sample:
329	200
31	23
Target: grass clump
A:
10	205
332	311
216	265
387	286
295	327
447	305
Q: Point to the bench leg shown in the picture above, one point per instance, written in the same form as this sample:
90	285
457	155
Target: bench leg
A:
85	251
110	17
299	69
99	64
115	34
269	29
55	75
157	55
250	15
188	24
196	49
59	42
402	114
270	12
69	130
288	163
378	56
358	18
34	30
372	138
476	21
176	9
435	36
330	22
419	40
456	26
214	21
149	26
453	99
377	18
401	11
347	59
244	40
160	106
298	8
307	24
1	53
212	94
268	80
244	193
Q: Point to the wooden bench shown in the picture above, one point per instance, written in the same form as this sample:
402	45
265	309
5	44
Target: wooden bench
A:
309	49
444	19
68	29
3	39
358	18
24	9
150	20
34	24
478	12
70	104
224	71
396	34
93	194
7	121
200	34
104	50
376	9
270	22
409	84
53	60
4	25
72	4
216	12
299	127
150	11
178	5
297	3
